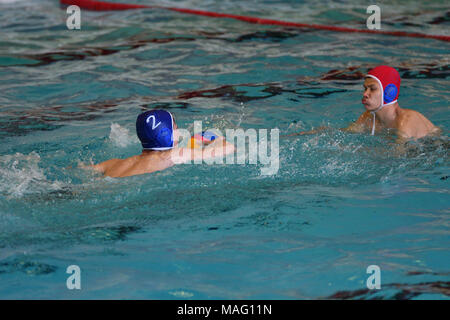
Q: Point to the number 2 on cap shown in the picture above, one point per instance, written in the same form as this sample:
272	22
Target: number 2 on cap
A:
153	124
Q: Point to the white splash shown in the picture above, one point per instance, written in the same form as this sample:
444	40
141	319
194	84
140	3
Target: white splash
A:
20	174
120	136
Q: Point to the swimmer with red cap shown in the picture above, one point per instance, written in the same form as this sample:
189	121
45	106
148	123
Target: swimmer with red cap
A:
380	99
158	133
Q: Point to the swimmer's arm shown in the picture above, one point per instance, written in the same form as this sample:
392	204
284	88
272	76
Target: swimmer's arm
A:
404	134
400	146
358	125
355	127
301	133
218	147
97	167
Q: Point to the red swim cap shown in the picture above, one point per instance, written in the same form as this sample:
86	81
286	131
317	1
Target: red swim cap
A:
389	80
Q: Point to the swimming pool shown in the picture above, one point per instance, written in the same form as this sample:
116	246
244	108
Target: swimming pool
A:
339	202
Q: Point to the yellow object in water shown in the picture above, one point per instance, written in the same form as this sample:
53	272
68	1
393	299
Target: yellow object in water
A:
194	143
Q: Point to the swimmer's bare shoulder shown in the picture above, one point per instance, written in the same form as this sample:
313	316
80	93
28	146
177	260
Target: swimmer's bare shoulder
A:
413	124
119	168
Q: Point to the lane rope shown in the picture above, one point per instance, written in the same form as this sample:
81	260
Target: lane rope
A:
107	6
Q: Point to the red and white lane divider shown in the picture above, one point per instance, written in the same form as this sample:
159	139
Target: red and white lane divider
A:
106	6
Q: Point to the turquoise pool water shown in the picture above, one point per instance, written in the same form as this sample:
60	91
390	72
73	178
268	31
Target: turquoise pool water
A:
339	202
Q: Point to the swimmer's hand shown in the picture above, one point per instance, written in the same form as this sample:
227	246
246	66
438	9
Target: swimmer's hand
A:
91	166
84	166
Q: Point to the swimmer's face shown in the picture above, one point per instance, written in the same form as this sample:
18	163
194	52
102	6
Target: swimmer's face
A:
372	94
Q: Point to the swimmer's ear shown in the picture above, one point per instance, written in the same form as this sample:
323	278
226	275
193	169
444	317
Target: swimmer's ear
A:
174	122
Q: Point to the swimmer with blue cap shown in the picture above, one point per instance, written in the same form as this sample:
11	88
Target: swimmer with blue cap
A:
158	133
381	92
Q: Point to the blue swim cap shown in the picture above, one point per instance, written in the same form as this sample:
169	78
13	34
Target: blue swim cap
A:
155	129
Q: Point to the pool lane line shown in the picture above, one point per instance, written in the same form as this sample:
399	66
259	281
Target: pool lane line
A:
107	6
